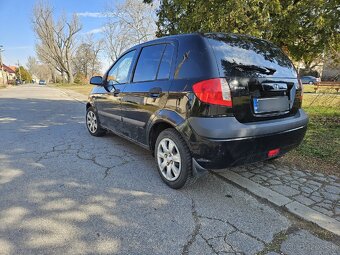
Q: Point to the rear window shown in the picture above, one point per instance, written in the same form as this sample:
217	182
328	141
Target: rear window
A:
240	55
148	63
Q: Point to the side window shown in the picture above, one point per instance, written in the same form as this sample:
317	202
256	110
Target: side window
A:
148	63
164	68
120	71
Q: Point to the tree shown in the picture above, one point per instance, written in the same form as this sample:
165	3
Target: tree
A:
130	22
86	60
40	70
303	29
56	44
25	75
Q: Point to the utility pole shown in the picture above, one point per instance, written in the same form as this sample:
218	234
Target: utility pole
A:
19	72
2	66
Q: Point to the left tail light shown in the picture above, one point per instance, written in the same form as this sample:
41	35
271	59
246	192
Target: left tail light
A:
214	91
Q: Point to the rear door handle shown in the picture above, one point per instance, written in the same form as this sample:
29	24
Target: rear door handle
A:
155	92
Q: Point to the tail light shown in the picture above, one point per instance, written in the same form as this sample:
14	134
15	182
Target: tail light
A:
300	87
213	91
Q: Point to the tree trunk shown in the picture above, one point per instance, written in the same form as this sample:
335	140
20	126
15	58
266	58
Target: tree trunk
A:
70	78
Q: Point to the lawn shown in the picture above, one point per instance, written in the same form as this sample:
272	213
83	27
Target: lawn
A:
320	149
80	88
325	89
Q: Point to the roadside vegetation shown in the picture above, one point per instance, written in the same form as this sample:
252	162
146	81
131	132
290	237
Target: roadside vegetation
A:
320	149
84	89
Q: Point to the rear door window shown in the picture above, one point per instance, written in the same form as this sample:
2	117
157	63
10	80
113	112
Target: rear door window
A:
164	68
148	63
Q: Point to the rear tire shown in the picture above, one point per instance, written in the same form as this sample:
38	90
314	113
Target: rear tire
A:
93	124
173	159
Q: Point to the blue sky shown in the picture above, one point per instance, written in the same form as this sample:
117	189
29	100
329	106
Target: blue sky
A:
16	33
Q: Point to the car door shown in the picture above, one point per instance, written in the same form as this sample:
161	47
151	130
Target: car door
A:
109	103
147	92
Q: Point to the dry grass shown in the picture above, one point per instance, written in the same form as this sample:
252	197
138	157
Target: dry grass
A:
82	89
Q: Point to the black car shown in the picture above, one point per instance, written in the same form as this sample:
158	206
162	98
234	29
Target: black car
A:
201	101
309	80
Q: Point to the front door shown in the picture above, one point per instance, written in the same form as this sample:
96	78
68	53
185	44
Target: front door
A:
109	108
147	91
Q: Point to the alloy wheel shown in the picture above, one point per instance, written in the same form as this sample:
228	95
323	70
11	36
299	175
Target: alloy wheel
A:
169	159
91	121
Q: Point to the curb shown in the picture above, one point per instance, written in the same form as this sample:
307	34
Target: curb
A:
288	204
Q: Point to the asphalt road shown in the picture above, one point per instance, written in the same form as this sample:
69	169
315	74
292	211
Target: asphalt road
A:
63	191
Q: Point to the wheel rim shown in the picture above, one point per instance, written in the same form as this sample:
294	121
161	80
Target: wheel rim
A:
91	121
169	159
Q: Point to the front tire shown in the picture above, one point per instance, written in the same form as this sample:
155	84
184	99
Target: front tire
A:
173	159
93	124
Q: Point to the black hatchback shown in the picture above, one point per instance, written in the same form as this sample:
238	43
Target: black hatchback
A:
201	101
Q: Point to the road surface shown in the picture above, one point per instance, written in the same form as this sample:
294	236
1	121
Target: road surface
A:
63	191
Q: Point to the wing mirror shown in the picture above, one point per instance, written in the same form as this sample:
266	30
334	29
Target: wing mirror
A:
96	80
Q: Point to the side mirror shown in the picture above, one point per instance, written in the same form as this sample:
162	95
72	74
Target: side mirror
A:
96	80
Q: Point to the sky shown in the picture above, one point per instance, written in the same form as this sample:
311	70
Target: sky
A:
16	33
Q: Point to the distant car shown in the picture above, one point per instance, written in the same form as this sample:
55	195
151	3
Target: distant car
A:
310	80
42	82
18	82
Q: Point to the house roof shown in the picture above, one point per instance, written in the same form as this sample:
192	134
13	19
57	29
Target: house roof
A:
7	69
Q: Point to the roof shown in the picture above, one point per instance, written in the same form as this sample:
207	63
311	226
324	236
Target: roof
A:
7	69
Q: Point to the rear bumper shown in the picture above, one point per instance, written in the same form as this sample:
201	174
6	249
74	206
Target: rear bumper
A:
218	153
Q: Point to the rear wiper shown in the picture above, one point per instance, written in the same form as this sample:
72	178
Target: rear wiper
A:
261	69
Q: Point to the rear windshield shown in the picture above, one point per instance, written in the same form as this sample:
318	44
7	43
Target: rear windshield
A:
240	55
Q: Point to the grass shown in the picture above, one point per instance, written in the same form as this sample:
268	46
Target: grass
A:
320	149
84	89
323	90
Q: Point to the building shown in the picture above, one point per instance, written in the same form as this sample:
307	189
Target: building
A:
7	75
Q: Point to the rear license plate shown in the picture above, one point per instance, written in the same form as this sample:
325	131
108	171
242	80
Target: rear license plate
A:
272	104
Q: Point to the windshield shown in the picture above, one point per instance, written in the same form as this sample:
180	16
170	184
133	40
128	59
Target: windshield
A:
240	55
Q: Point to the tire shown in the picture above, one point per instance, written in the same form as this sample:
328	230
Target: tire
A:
93	124
174	166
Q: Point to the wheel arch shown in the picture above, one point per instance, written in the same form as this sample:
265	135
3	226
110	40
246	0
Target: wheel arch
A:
164	119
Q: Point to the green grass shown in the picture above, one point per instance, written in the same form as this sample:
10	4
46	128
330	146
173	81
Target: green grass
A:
320	148
323	90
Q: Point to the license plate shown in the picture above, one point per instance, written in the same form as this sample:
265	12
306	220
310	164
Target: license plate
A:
272	104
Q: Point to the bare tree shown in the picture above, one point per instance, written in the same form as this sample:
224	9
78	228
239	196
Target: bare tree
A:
129	22
40	70
56	44
86	60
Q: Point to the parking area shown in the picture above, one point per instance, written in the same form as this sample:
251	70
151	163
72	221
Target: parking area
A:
63	191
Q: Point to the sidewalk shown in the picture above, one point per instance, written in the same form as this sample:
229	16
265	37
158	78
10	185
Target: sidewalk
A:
314	197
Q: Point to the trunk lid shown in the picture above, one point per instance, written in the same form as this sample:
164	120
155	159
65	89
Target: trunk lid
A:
262	79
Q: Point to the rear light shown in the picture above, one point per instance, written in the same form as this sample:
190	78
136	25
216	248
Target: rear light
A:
213	91
273	153
300	87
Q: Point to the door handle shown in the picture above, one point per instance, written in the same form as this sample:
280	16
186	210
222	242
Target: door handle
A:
155	92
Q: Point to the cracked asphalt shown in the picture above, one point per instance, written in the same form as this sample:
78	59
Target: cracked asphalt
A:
63	191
